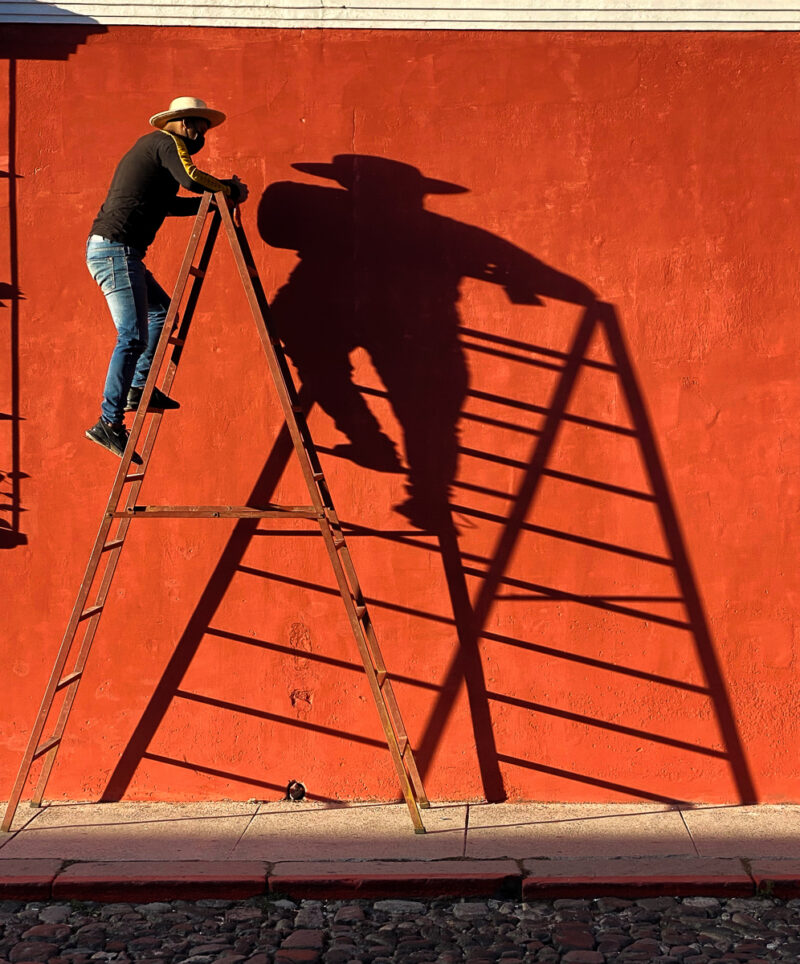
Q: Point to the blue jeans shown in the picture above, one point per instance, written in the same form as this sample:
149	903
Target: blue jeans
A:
138	306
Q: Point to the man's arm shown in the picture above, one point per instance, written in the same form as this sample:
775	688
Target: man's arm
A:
178	162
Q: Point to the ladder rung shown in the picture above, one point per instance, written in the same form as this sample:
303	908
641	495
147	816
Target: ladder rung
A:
361	611
67	680
46	746
180	342
318	476
216	512
338	542
134	477
402	744
381	675
197	272
114	544
92	611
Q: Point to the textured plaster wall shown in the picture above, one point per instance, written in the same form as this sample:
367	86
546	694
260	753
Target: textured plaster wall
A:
555	648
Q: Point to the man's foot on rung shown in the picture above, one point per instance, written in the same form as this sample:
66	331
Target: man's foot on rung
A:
158	400
111	437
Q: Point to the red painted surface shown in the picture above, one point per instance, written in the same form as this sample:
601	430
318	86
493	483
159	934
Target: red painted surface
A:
659	169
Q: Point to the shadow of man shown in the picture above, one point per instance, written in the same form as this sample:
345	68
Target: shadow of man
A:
380	272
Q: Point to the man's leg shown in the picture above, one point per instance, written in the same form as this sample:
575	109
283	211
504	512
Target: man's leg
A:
121	277
157	308
119	272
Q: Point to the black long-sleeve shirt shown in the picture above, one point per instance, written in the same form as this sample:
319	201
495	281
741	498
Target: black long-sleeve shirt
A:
144	190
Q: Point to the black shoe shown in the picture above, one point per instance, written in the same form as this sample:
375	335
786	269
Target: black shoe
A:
111	437
158	400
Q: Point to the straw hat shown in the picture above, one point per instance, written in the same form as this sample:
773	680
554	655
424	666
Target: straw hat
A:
187	107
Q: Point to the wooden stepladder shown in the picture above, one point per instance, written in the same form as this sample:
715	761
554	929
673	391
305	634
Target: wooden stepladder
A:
123	508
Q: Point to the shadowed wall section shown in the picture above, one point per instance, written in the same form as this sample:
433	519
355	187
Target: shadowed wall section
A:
572	527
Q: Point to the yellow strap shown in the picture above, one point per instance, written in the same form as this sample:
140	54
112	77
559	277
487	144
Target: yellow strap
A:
199	177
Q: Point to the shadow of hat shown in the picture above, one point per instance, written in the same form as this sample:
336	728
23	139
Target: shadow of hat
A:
350	169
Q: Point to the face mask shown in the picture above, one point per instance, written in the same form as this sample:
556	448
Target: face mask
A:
196	145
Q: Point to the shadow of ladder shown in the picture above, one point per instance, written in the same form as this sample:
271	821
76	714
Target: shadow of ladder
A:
471	618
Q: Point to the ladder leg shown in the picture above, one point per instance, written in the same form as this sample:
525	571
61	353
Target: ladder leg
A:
376	657
78	611
80	661
393	728
49	749
383	695
22	773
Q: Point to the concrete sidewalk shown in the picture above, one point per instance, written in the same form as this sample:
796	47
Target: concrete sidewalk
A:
155	851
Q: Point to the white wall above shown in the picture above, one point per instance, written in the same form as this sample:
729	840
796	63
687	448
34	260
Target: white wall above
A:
413	14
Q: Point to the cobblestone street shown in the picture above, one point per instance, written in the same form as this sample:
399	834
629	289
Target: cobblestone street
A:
693	930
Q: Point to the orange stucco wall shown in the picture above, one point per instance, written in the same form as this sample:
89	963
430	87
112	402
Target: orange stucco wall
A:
613	615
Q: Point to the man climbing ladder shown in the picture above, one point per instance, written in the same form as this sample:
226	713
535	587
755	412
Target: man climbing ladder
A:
143	193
